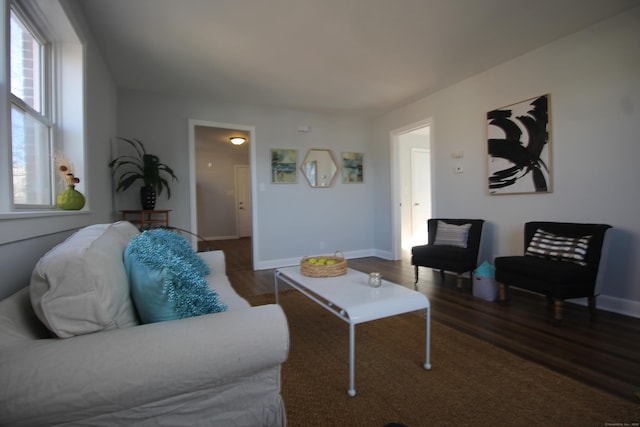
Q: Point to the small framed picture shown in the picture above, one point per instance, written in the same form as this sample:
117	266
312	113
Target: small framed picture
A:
284	165
352	168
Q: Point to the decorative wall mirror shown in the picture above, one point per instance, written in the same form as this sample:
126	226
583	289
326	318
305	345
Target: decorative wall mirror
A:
319	167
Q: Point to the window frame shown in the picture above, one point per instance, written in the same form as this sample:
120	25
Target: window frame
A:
46	115
65	97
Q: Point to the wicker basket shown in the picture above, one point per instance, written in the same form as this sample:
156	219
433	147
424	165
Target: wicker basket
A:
324	270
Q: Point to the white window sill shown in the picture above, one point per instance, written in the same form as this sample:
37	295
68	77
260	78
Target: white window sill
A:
40	214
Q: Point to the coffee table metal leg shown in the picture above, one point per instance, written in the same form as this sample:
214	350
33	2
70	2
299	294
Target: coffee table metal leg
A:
427	361
352	350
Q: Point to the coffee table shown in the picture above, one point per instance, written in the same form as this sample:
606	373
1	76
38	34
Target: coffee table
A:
350	298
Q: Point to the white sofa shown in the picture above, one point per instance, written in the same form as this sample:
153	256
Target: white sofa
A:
219	369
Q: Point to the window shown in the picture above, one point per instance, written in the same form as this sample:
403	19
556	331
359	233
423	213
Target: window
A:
44	103
31	126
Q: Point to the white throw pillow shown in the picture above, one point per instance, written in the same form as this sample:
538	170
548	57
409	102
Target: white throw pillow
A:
80	286
451	234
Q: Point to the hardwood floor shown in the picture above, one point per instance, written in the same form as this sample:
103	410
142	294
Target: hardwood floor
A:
604	353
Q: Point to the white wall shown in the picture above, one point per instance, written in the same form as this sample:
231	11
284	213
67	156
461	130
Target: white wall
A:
24	240
593	78
293	220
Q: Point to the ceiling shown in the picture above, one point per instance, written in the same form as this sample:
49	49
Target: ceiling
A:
348	56
219	140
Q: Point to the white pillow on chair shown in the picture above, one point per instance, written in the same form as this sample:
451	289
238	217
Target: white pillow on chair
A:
451	234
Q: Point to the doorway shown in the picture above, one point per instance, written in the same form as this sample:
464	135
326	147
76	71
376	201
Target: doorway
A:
242	200
411	187
222	207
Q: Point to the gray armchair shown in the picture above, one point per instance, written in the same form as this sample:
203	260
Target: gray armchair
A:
450	248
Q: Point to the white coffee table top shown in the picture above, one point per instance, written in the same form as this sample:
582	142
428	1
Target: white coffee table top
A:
352	293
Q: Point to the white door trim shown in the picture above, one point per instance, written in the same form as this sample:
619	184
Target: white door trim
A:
394	135
252	168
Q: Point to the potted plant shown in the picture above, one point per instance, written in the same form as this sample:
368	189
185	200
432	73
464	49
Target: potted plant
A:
146	167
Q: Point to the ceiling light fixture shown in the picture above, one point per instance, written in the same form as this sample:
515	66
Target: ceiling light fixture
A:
237	140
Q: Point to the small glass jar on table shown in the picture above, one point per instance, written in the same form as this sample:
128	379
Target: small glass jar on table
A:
375	279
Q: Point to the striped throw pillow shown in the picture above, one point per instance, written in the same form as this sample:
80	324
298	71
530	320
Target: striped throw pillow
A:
451	234
559	248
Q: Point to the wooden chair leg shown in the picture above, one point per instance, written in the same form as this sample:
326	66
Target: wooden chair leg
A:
592	307
557	310
550	304
415	273
459	283
503	292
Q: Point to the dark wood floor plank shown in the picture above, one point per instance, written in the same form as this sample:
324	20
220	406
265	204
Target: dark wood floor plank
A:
604	353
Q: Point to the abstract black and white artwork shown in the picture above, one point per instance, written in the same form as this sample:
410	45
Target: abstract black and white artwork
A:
520	147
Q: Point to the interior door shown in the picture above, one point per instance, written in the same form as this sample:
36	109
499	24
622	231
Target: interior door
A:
420	195
243	200
403	184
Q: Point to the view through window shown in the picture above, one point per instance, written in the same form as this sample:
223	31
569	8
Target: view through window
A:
31	126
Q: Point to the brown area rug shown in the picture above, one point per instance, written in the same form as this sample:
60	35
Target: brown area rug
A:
471	382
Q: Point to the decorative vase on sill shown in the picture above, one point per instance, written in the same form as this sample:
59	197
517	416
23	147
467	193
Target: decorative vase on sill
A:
70	199
147	198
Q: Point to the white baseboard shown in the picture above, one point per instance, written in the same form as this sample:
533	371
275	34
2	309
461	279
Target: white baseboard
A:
607	303
382	254
288	262
613	304
221	237
277	263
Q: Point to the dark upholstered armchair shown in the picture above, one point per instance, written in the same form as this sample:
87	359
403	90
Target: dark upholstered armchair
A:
561	261
453	247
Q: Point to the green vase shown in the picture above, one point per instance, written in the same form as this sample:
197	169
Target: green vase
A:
70	199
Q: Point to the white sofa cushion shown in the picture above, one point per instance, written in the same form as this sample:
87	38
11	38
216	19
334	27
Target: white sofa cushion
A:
18	323
80	286
219	282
